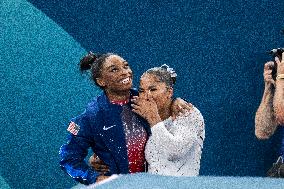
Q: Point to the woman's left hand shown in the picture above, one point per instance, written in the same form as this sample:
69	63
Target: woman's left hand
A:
98	164
146	108
180	107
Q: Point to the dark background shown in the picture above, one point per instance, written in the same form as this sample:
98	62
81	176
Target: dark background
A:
217	48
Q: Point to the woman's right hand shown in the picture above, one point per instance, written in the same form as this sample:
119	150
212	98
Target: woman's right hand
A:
101	178
97	164
147	108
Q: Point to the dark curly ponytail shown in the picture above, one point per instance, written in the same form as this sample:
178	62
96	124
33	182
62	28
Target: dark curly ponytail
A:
94	62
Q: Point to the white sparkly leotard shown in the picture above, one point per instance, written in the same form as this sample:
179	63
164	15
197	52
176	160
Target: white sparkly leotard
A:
175	147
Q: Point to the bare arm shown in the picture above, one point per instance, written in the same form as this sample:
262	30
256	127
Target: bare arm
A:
265	124
278	101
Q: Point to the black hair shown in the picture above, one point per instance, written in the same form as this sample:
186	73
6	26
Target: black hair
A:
165	74
94	62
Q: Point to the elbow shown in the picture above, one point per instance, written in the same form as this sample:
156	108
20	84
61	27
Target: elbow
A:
178	151
262	135
176	155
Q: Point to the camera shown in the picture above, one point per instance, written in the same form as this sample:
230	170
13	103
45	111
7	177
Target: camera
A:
276	52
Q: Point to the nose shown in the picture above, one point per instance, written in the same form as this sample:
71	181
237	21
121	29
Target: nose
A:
126	71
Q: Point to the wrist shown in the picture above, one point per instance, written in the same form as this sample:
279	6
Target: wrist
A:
280	76
154	120
101	178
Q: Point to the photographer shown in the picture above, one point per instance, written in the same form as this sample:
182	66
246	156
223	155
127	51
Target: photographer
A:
270	113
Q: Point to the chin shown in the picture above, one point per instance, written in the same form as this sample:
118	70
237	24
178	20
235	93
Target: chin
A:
125	87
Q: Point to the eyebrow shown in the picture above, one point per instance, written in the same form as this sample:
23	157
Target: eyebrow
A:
150	87
112	66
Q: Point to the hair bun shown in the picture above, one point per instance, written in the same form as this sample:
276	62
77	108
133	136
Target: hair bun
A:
87	61
170	70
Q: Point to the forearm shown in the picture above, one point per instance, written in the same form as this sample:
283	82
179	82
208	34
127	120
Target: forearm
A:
265	124
181	139
278	102
170	144
73	163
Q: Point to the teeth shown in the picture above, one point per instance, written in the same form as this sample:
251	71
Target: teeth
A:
126	80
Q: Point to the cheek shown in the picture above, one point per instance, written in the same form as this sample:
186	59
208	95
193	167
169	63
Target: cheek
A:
158	98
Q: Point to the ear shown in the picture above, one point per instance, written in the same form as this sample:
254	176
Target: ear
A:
101	82
170	92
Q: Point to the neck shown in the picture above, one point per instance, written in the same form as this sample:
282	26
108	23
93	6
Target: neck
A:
165	111
117	95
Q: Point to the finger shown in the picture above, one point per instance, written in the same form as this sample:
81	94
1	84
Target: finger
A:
174	116
134	98
282	58
98	160
267	79
100	167
277	60
268	71
137	112
182	109
272	81
103	167
135	106
268	76
269	65
138	102
188	107
185	112
179	114
92	160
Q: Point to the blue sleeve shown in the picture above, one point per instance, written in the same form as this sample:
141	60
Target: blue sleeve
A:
74	152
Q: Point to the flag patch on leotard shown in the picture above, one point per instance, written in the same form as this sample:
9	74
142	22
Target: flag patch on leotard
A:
73	128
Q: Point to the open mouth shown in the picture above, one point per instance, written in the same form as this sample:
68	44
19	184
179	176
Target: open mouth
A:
126	80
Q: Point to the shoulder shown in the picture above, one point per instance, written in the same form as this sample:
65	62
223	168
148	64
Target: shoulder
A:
96	103
194	113
192	117
92	105
89	116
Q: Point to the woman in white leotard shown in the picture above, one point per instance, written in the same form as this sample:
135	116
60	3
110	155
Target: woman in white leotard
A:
175	145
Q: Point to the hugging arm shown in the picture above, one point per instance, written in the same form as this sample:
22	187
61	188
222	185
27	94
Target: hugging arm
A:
190	129
75	150
179	107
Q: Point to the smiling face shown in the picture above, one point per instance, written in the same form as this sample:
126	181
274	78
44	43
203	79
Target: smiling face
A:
116	74
159	91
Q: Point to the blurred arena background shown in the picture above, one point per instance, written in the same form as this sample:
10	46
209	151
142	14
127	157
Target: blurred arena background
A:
217	48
